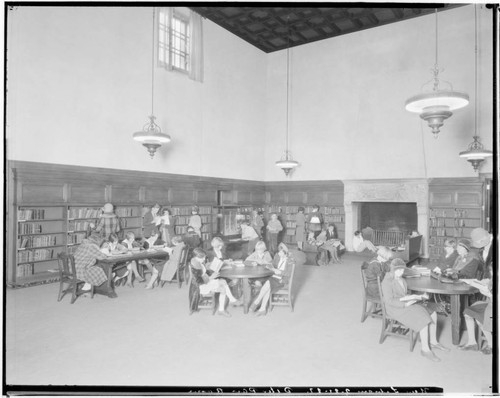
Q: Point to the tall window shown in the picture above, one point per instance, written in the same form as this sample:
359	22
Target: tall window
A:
173	40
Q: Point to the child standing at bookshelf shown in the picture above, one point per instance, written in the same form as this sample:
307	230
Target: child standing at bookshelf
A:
315	221
273	229
150	220
167	226
195	221
108	223
300	227
257	223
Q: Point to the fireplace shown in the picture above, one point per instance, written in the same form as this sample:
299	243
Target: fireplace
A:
373	200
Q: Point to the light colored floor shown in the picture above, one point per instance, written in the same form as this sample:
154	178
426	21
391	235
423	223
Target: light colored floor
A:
147	338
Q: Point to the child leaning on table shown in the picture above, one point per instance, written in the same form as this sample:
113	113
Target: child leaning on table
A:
113	246
130	243
204	281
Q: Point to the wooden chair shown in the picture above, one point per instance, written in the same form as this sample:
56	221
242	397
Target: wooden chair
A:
391	327
67	275
284	296
375	310
205	301
180	275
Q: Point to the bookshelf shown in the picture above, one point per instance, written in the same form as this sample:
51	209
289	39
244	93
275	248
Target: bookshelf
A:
287	215
41	235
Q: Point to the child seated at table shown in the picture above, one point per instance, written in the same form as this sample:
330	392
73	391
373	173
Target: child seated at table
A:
130	243
113	246
448	257
170	268
281	267
204	281
260	255
156	266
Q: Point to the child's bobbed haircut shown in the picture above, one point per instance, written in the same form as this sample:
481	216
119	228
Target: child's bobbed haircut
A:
200	253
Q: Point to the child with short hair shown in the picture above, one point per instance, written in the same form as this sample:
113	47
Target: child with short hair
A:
113	246
274	227
170	268
195	221
205	281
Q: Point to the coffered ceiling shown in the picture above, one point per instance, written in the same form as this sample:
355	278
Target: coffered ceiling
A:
276	28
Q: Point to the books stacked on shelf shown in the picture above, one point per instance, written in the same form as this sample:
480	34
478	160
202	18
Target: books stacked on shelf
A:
74	226
180	229
125	212
83	212
76	239
31	214
184	219
30	228
36	241
34	255
205	236
24	270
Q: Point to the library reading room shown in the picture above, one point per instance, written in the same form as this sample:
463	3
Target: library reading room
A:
227	199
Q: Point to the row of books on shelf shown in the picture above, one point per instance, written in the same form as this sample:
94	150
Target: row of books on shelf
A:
34	255
442	222
77	238
83	212
449	232
25	269
31	214
36	241
455	213
125	212
30	228
186	211
181	229
205	219
79	225
325	210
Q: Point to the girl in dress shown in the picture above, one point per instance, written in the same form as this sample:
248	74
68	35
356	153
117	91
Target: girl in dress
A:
315	221
205	281
274	227
195	221
281	266
300	228
410	310
167	226
170	267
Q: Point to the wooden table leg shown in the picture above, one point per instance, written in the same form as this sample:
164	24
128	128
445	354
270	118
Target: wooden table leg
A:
107	288
246	295
455	318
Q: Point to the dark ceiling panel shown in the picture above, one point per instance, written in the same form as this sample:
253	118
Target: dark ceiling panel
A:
269	28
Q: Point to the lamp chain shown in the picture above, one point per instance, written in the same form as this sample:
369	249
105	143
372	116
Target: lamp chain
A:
153	64
475	69
287	84
436	65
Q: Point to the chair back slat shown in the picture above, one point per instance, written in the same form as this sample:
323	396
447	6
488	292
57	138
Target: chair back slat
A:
66	264
382	299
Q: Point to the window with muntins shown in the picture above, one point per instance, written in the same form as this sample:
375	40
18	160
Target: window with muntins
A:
173	40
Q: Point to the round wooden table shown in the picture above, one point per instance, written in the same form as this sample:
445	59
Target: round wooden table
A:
245	273
428	284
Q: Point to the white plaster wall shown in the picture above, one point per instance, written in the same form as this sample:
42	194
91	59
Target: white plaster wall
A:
348	93
79	81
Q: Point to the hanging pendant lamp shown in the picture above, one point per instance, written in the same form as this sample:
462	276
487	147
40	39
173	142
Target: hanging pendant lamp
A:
151	135
286	163
476	153
437	105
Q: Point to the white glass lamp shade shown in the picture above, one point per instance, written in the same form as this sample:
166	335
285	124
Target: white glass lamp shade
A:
442	99
151	136
476	153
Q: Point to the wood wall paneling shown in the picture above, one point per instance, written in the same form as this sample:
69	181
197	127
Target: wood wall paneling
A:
441	199
35	192
316	198
227	198
296	197
120	194
87	193
276	197
244	197
182	196
156	195
335	198
207	196
258	198
468	198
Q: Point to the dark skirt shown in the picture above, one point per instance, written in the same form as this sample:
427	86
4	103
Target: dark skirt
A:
481	311
276	284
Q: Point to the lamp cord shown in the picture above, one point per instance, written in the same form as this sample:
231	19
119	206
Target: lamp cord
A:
287	83
153	65
436	14
475	70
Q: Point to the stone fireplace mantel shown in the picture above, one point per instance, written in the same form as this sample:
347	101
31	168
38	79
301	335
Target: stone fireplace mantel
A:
405	190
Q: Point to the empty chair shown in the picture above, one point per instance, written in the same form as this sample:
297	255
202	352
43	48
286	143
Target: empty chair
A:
180	275
375	310
391	327
284	296
67	275
197	300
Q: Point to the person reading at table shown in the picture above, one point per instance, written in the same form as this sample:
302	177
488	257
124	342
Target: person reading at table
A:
466	264
112	246
281	267
170	268
205	281
328	242
156	266
86	256
411	310
359	243
480	312
132	245
249	235
260	255
448	257
377	267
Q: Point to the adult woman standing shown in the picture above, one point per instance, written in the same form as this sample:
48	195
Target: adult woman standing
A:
151	220
300	227
410	311
167	226
315	221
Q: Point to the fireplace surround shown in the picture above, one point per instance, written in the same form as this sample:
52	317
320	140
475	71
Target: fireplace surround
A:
394	190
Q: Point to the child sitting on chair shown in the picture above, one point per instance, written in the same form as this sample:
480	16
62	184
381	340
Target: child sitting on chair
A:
112	246
170	268
156	267
207	282
130	243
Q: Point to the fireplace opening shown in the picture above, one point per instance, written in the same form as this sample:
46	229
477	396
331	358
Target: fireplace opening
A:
391	222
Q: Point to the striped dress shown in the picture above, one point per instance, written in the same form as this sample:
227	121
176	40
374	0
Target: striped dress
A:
86	256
